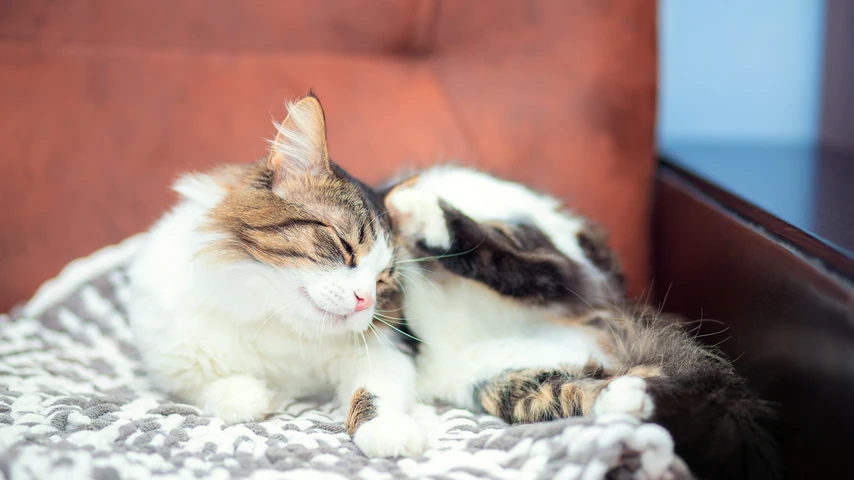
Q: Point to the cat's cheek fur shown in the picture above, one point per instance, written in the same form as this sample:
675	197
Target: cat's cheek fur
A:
334	291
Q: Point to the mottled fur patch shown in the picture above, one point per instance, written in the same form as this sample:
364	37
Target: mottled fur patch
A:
535	395
719	425
516	260
362	409
593	240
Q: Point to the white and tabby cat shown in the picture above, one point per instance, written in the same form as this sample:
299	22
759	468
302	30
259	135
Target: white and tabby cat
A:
514	300
261	284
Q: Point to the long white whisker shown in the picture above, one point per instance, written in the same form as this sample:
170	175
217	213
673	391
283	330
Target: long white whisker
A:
401	331
368	353
580	297
446	255
384	341
411	270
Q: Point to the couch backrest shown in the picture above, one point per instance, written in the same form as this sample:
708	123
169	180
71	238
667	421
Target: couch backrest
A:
106	101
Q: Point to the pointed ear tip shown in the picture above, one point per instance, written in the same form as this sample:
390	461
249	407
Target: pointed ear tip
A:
309	100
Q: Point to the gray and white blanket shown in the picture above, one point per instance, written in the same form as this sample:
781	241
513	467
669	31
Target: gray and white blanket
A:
75	403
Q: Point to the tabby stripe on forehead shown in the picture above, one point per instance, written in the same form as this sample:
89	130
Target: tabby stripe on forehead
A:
368	219
327	246
252	244
362	231
286	224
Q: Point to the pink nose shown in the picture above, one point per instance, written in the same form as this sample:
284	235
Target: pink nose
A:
363	302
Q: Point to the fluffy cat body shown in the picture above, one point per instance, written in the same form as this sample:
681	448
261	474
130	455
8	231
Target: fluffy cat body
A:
517	303
457	349
262	284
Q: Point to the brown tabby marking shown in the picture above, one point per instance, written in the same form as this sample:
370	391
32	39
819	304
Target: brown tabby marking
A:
362	409
593	240
326	222
297	208
535	395
645	371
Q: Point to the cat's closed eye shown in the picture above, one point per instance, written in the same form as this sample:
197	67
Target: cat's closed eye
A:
351	256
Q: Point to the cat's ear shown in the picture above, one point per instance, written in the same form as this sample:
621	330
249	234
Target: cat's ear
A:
300	145
398	187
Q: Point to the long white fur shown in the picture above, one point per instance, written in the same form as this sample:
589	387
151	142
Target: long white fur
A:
471	333
301	137
237	338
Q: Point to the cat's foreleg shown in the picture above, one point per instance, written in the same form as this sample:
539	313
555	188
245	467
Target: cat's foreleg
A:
210	382
380	388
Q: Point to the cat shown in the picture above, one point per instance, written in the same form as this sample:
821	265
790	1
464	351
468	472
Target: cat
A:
262	284
517	306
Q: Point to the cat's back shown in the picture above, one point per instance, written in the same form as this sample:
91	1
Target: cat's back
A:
482	196
486	198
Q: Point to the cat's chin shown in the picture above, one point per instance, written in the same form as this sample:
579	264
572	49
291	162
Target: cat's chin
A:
327	317
325	324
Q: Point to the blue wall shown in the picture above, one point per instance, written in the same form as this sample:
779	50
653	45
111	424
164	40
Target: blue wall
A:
740	70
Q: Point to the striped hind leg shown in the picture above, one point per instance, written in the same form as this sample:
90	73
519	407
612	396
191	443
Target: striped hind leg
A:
537	395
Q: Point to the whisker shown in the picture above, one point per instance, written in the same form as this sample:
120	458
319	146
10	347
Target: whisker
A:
368	353
384	341
401	331
394	319
437	257
580	297
412	270
388	311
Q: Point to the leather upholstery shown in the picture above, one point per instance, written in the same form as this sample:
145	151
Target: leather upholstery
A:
106	101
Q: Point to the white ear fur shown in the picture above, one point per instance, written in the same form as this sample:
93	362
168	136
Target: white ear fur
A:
300	144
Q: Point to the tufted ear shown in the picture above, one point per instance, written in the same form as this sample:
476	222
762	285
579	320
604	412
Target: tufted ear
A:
300	144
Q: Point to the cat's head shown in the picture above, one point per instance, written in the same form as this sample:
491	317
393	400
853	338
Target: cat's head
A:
314	239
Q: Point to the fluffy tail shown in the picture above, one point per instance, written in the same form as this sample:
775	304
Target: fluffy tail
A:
720	428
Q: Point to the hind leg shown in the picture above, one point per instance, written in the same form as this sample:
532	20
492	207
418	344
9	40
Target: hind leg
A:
536	395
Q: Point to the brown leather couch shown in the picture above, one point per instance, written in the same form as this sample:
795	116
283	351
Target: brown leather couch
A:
105	101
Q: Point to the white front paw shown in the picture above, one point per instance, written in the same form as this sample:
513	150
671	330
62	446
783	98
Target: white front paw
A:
628	395
241	398
391	436
418	216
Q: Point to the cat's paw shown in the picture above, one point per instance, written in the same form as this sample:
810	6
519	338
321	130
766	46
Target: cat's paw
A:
391	436
241	398
627	394
419	216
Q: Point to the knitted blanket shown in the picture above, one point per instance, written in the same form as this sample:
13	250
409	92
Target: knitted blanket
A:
75	403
